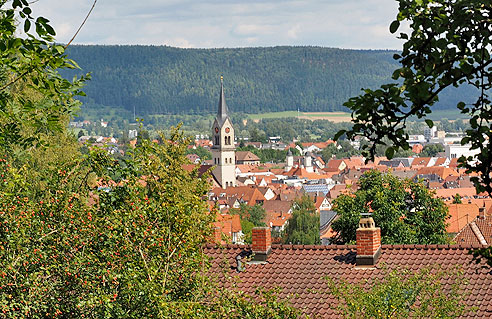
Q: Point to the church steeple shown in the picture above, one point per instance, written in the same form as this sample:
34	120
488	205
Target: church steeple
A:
222	112
223	149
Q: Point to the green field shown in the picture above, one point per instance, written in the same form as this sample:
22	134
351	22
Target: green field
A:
273	115
447	114
332	116
336	116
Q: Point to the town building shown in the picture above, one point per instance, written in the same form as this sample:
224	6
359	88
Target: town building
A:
223	149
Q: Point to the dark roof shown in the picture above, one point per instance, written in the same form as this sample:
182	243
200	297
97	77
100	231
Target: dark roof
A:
326	217
392	163
300	271
315	188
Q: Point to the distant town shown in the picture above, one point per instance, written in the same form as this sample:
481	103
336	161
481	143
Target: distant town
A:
240	177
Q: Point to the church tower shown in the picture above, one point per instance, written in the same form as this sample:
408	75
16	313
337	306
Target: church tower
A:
223	150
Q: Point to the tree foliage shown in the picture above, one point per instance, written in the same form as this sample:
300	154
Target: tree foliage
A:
406	211
303	226
449	46
88	236
431	150
403	293
33	97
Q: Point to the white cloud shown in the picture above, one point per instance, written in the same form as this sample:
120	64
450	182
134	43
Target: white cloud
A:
214	23
294	31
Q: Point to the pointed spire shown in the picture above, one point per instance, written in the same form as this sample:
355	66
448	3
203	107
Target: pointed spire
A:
222	112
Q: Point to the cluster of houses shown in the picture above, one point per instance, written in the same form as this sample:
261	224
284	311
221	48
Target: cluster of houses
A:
239	178
300	272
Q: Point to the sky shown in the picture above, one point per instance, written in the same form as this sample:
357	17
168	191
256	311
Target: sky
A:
350	24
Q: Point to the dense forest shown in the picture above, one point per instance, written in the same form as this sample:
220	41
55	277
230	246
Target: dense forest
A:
167	80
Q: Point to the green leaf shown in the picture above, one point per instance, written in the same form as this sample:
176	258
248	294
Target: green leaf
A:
394	26
429	123
390	151
27	25
49	29
339	134
16	3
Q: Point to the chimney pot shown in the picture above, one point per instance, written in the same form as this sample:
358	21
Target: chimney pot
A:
481	213
262	243
368	238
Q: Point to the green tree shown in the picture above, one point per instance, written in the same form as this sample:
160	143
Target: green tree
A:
34	98
202	152
449	46
406	211
251	216
303	226
256	135
457	199
254	214
88	236
431	150
403	293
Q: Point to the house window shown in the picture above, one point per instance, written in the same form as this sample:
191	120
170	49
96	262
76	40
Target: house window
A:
216	140
227	140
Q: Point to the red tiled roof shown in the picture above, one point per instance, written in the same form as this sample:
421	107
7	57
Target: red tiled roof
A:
246	156
249	194
303	173
440	161
277	206
300	272
467	192
354	162
460	216
417	148
421	161
273	219
334	163
440	171
453	163
479	231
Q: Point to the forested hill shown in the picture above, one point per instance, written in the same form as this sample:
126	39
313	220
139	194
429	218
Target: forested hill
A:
161	79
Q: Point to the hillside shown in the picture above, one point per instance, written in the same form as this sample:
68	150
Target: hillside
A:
166	80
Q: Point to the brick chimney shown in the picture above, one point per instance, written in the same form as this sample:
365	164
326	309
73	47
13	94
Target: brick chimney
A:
368	238
481	212
262	243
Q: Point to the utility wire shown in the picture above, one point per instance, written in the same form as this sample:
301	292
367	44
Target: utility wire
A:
83	22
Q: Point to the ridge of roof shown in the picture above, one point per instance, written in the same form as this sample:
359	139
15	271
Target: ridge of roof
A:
328	247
